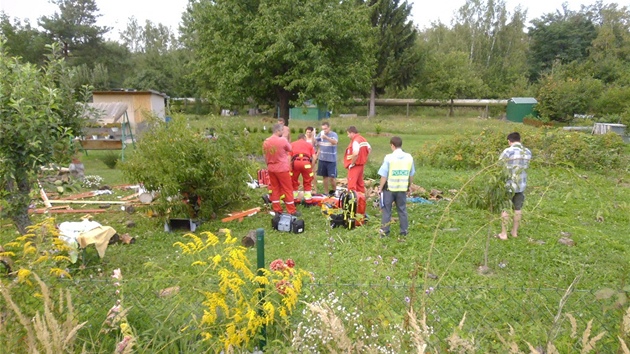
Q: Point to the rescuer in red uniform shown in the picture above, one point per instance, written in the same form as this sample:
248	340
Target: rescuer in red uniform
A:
276	150
355	158
302	159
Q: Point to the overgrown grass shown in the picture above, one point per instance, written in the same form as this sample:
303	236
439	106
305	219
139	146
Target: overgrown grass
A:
526	278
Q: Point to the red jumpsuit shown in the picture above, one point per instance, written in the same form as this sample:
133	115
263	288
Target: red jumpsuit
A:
355	173
302	161
276	150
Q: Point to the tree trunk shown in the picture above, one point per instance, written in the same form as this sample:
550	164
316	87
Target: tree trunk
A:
283	97
451	112
372	110
19	199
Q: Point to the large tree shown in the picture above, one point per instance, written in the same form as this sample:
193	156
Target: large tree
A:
280	51
396	55
160	63
38	107
23	40
74	26
562	36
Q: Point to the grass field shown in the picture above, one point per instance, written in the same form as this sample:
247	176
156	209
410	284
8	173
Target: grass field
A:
437	269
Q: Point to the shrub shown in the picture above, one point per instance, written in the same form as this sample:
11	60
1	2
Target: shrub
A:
550	146
292	130
559	98
110	159
301	130
186	167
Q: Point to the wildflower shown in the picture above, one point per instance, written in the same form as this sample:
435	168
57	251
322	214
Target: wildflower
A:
277	265
117	274
388	278
290	263
394	261
407	299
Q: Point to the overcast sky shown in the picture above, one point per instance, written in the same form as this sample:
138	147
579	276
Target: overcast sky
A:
115	13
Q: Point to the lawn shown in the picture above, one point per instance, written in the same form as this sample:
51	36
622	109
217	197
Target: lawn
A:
523	282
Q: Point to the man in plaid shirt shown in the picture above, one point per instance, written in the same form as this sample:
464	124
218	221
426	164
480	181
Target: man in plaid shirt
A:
516	159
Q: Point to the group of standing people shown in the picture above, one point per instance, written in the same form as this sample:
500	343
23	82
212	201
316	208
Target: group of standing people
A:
287	161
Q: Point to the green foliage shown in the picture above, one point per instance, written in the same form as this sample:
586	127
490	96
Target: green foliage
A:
452	76
75	26
292	51
488	190
175	161
562	36
560	96
110	159
38	108
397	57
549	146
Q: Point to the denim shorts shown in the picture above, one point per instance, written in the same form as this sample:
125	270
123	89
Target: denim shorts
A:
327	169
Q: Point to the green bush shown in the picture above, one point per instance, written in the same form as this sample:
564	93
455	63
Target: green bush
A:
549	146
559	98
110	159
182	166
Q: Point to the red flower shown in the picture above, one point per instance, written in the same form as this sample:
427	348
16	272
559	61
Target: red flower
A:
277	265
281	287
290	263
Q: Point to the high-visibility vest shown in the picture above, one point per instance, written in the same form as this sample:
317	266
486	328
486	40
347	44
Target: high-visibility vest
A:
399	173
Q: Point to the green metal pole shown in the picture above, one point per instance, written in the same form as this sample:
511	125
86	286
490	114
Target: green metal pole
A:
260	256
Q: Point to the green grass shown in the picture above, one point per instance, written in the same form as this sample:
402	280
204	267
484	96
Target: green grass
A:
446	239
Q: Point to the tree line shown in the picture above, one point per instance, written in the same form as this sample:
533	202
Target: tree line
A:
283	52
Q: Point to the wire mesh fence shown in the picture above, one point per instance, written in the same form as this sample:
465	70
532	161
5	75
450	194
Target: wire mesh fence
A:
172	309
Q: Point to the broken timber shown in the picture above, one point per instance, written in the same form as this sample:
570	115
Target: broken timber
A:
241	214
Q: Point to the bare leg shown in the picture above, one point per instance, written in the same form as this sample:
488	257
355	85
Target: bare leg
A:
517	220
504	221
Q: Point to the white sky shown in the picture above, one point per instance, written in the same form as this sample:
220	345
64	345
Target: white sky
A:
115	13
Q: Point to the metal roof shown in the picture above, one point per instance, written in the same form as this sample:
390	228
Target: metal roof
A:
519	100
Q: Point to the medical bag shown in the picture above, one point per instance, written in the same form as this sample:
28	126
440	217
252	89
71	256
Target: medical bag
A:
287	223
263	177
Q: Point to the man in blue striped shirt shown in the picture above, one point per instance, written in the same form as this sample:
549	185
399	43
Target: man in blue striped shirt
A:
516	159
327	157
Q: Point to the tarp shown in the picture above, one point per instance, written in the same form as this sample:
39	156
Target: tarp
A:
105	112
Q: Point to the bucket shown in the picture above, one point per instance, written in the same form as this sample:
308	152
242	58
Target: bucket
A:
145	198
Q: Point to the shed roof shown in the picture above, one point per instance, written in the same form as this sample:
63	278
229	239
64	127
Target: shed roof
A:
519	100
129	92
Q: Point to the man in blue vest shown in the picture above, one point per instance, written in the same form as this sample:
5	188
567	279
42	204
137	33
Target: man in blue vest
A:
396	176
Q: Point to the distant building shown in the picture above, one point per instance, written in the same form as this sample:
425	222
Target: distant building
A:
140	104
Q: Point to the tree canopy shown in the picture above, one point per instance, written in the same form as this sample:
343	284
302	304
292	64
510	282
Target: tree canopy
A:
280	51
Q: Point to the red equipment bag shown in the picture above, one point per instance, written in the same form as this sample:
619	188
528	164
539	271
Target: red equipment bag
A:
263	177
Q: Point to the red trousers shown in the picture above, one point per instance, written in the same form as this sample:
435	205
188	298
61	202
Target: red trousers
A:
355	178
281	186
302	168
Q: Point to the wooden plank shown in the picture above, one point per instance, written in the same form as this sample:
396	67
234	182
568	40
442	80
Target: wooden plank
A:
241	214
86	202
66	211
101	144
80	196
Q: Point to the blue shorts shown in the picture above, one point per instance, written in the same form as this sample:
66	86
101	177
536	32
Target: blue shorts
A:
327	169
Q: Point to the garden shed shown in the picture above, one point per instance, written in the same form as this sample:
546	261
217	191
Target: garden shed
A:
519	108
308	112
139	103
